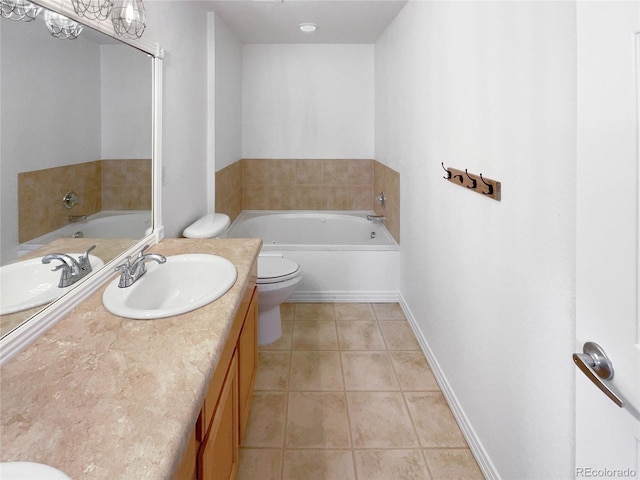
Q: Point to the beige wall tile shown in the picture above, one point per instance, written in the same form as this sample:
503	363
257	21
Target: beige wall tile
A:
308	172
335	198
335	172
308	197
282	172
361	173
360	198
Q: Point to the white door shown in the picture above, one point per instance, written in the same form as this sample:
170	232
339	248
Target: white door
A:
607	282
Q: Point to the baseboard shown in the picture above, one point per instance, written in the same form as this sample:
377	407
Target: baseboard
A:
482	458
344	297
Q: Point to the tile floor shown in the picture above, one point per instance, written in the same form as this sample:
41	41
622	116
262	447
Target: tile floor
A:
346	394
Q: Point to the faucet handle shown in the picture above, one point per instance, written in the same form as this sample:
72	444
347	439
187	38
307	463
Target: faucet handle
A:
84	259
146	247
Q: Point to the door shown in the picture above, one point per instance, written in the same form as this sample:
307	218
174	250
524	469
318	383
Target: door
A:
608	437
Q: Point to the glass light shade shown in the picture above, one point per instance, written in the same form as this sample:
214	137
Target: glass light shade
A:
93	9
60	26
19	10
129	18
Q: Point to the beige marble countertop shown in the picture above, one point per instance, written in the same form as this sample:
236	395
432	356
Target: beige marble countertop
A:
104	397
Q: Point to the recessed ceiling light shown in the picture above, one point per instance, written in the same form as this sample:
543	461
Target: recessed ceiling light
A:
308	27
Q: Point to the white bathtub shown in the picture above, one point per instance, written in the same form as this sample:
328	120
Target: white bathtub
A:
344	257
105	224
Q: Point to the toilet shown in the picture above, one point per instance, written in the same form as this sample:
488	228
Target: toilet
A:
278	277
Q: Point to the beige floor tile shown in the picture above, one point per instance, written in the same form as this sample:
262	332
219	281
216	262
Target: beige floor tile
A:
398	335
413	371
354	311
265	427
360	335
318	465
315	370
368	371
314	335
317	420
391	464
287	311
433	420
380	420
262	463
388	311
314	311
284	342
273	370
452	464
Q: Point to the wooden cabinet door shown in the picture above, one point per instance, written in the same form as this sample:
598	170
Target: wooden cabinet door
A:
247	360
218	458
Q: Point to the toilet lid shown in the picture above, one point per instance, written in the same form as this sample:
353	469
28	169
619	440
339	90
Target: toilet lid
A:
276	269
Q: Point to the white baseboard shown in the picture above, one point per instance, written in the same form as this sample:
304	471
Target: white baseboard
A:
482	458
344	297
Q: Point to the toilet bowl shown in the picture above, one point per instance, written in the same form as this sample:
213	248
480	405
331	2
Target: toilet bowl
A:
278	277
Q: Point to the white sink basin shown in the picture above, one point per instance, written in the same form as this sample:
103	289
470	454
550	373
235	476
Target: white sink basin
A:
30	471
184	283
31	283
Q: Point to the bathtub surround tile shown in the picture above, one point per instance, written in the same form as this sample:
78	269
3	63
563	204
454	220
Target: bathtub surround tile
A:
263	463
433	420
391	464
359	335
413	372
314	335
308	172
452	464
360	198
282	172
335	197
282	198
308	197
255	197
284	342
360	172
317	420
273	370
398	335
315	371
318	465
265	427
368	371
335	172
387	430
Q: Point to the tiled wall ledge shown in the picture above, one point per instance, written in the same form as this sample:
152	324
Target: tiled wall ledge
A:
100	185
309	184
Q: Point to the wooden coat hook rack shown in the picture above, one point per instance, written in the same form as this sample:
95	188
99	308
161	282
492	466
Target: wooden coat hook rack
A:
477	183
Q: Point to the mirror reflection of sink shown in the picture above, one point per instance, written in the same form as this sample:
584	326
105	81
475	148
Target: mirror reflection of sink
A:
30	283
182	284
29	471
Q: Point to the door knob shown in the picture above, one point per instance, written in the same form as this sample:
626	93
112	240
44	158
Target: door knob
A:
595	364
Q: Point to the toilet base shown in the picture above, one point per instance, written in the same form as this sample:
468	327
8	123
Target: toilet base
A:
269	325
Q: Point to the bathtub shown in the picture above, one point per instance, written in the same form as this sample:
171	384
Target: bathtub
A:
344	257
105	224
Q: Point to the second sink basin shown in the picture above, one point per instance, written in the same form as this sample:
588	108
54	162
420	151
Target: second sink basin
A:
185	282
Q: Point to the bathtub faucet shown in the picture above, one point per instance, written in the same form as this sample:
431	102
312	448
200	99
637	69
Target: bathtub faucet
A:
376	218
72	269
132	271
77	218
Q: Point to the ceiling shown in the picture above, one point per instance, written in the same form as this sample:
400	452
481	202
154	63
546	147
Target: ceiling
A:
277	21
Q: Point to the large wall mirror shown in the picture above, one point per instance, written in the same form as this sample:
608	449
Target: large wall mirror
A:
77	155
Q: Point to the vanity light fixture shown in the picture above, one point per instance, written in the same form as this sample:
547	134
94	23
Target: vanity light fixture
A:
93	9
129	18
60	26
19	10
308	27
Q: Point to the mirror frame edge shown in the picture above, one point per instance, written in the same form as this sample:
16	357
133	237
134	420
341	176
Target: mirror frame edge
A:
30	330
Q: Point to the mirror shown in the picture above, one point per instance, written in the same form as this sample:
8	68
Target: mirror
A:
76	122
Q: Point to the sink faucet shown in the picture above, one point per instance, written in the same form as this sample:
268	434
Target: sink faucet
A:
376	218
132	271
72	269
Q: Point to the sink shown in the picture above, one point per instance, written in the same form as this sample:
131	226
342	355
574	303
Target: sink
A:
182	284
30	283
29	471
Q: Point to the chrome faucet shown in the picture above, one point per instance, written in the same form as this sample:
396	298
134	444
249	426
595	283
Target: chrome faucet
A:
376	218
72	269
132	271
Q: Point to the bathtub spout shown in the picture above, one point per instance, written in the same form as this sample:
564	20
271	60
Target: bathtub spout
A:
376	218
77	218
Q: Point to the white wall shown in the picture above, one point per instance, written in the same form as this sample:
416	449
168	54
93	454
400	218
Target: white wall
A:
489	86
307	101
181	29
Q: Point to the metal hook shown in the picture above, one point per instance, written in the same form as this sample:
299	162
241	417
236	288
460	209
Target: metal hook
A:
474	182
490	192
448	177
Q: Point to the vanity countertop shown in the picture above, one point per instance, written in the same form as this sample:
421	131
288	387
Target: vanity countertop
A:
104	397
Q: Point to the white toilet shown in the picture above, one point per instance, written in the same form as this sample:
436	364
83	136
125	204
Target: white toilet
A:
278	277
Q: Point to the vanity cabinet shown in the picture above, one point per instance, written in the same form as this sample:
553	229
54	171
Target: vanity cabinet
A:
212	452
